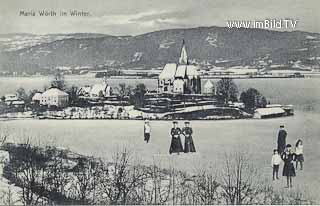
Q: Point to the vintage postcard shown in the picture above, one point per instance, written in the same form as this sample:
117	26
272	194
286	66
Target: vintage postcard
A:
149	102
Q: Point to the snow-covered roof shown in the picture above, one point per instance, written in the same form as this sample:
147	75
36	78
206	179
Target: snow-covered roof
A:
273	105
85	89
54	92
19	102
181	71
168	71
11	97
269	111
171	71
208	84
310	37
36	96
97	88
192	71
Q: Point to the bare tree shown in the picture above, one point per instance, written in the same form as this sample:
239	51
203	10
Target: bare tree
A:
157	188
227	90
84	180
57	177
240	180
206	188
4	134
27	169
121	179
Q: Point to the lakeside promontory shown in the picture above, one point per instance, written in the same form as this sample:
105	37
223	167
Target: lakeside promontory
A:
179	95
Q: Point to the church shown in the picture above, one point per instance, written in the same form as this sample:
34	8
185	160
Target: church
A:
181	77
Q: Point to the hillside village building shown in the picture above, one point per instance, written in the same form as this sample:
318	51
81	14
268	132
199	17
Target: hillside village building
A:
37	97
97	90
181	78
100	90
54	97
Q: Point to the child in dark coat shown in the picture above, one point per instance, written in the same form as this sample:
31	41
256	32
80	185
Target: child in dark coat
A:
288	169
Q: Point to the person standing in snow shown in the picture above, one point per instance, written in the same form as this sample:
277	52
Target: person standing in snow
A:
147	131
288	169
275	163
176	145
282	135
299	154
188	142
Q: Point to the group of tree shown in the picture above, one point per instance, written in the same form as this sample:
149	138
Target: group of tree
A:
48	175
58	81
252	99
134	95
227	90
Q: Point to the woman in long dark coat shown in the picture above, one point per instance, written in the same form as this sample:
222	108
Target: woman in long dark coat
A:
282	135
288	169
188	141
176	145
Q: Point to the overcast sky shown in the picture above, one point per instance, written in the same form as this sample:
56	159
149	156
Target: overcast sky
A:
131	17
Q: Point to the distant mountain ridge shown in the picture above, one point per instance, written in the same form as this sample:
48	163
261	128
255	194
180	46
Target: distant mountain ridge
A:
205	45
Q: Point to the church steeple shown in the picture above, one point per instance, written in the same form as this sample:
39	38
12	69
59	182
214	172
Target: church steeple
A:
183	56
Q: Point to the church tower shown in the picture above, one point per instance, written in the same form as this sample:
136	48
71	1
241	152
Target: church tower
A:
183	60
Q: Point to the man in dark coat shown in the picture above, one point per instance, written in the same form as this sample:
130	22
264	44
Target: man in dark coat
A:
188	141
176	145
282	135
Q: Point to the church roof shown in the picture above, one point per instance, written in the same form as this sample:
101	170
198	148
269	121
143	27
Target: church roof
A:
181	71
171	71
168	71
192	71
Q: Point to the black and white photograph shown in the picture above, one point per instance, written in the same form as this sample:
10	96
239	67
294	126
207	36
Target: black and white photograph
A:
159	102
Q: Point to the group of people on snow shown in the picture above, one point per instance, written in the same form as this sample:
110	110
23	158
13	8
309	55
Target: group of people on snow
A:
176	133
286	153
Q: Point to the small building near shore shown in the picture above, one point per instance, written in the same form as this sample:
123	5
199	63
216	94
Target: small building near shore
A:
209	87
181	78
100	90
54	97
262	113
9	98
84	91
36	98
